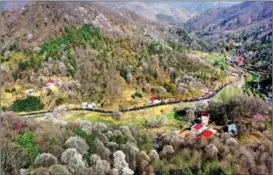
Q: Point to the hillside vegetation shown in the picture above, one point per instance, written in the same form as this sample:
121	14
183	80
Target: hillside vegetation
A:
97	67
243	29
83	147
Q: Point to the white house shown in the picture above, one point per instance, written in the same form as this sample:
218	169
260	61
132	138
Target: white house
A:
156	101
50	83
205	118
205	90
29	92
86	105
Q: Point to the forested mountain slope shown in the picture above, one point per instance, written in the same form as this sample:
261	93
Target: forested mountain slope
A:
245	29
98	54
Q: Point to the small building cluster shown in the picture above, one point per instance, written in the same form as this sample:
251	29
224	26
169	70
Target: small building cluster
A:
154	100
200	127
206	92
50	83
238	60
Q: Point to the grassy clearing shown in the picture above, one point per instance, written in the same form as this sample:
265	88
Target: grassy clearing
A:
132	118
218	60
227	93
253	78
93	117
214	57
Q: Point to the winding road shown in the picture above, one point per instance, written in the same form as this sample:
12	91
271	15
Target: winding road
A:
42	114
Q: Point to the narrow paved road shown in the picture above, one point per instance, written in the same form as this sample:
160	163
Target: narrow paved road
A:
240	81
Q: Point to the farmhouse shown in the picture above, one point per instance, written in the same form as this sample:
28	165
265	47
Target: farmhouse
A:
198	128
154	100
50	83
29	92
240	60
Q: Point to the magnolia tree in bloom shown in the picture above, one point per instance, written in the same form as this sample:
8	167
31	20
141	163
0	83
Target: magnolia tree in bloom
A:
72	159
120	163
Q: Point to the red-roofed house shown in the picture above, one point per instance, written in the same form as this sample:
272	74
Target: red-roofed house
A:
153	98
50	83
207	134
206	114
198	128
240	60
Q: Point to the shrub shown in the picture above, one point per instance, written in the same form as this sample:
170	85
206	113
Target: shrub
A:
23	65
90	140
119	139
211	151
155	48
13	157
153	122
45	160
145	142
3	108
28	141
153	155
59	101
78	143
170	87
167	149
58	169
40	171
72	159
15	75
116	115
30	103
120	163
162	120
214	168
137	94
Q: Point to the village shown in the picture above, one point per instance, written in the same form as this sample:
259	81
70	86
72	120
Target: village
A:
200	127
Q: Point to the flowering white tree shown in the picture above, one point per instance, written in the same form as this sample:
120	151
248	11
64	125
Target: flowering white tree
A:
72	159
78	143
120	164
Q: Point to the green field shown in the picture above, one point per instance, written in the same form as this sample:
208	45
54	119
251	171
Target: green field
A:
218	59
252	91
253	78
227	93
214	57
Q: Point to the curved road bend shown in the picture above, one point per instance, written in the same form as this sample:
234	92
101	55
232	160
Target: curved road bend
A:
41	114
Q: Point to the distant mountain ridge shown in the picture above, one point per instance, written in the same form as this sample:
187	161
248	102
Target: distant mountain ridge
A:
43	20
201	7
157	11
244	29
